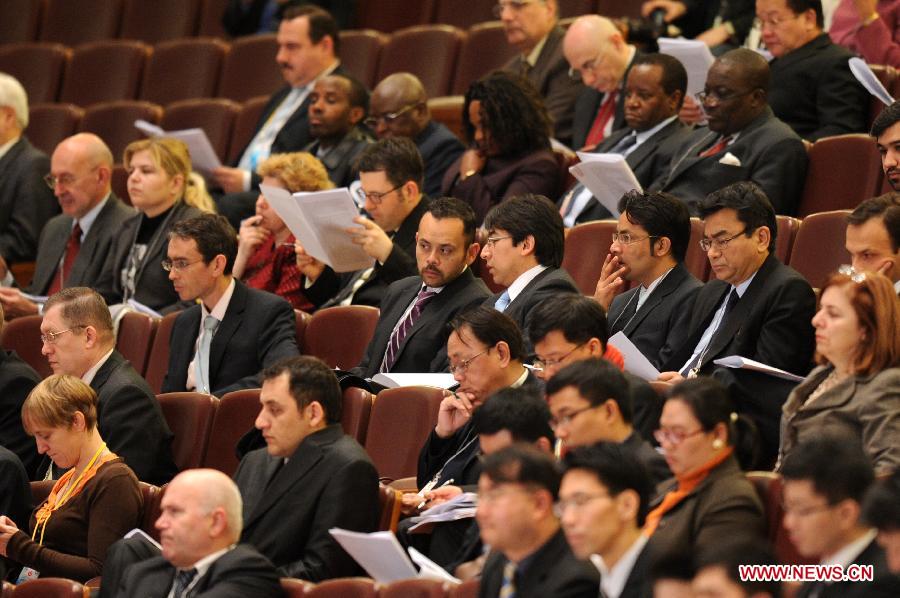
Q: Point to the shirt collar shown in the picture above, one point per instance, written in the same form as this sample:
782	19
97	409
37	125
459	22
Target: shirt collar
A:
218	311
742	288
203	565
643	136
846	555
88	376
612	580
897	287
522	281
87	221
532	57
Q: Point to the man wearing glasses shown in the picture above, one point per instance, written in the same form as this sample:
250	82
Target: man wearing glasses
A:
532	28
399	108
73	245
743	140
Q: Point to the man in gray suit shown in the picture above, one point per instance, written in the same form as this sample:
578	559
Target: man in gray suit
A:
74	244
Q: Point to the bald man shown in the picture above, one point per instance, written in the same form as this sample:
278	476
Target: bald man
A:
199	528
598	55
399	108
73	245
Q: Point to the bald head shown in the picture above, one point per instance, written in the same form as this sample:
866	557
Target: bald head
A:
81	167
595	48
215	490
400	94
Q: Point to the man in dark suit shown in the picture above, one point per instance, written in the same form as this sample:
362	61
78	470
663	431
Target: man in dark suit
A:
873	236
743	140
813	90
221	344
648	248
603	501
78	340
26	203
337	104
390	173
532	28
411	334
17	378
881	509
757	308
597	53
200	525
529	553
73	245
654	92
825	481
308	47
590	404
886	131
399	108
524	252
718	570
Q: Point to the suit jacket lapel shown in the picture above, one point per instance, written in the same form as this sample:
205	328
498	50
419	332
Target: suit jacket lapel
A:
691	155
89	245
431	309
666	287
229	325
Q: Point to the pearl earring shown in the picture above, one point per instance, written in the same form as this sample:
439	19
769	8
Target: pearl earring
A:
718	444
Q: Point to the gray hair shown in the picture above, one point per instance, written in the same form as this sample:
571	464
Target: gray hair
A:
12	94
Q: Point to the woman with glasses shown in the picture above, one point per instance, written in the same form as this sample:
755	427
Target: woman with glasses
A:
705	445
90	506
508	132
855	391
164	191
266	258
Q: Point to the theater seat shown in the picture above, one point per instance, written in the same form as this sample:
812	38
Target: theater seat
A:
350	587
153	496
463	13
104	71
39	67
135	338
211	12
23	335
413	588
484	50
819	246
585	249
294	588
888	76
215	116
113	122
245	125
389	503
49	587
249	69
447	110
190	417
467	589
234	417
769	486
51	123
339	335
20	21
182	69
390	16
301	319
72	23
158	359
120	183
360	52
787	232
356	410
843	171
159	20
695	259
427	51
576	8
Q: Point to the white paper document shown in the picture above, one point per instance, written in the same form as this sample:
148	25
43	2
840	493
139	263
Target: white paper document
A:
318	221
381	555
461	506
694	55
869	80
393	380
745	363
607	176
203	156
635	362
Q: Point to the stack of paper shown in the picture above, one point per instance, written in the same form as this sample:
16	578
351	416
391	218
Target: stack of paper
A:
394	380
694	55
381	555
745	363
203	156
607	176
459	507
635	362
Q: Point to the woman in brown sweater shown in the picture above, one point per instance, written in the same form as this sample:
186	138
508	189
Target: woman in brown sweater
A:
91	506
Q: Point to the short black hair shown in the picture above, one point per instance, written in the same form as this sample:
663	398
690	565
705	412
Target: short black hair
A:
885	206
490	327
357	94
398	157
887	118
731	554
450	207
881	507
597	381
577	317
801	6
321	23
751	204
310	379
535	215
661	215
674	76
213	234
523	464
522	411
616	468
837	466
752	67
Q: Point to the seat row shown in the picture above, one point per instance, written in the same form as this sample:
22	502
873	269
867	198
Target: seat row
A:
77	21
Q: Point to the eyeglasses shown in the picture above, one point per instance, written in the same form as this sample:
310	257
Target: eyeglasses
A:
627	239
463	366
576	502
720	244
854	274
565	420
177	265
543	364
66	180
49	338
589	66
491	241
514	5
388	117
717	97
774	21
375	196
805	511
674	437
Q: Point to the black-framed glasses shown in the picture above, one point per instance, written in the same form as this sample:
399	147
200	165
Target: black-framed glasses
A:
374	196
565	420
463	366
543	364
720	244
388	117
627	239
177	265
576	502
674	437
717	97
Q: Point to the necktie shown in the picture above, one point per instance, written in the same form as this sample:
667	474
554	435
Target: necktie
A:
201	374
397	337
733	298
604	114
508	585
502	302
624	144
720	145
183	579
62	274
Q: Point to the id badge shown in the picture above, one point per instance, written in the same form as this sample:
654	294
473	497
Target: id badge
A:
27	574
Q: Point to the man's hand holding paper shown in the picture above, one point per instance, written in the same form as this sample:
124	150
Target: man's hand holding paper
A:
371	238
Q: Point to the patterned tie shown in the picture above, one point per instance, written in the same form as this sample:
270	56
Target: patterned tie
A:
697	363
502	302
201	373
183	579
508	585
72	248
604	114
720	145
397	337
624	144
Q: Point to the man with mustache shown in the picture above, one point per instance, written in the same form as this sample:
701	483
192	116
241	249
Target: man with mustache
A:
886	131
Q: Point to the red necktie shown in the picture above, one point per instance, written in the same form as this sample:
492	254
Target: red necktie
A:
604	114
720	145
62	273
